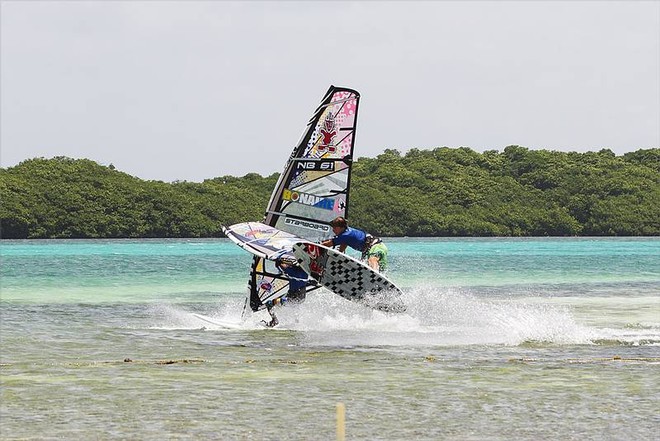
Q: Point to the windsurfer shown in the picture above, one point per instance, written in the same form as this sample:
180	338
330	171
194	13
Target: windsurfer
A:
372	248
297	289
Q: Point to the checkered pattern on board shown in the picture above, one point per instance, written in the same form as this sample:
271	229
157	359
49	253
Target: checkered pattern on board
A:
347	279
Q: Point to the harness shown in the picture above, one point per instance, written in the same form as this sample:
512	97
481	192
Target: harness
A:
369	241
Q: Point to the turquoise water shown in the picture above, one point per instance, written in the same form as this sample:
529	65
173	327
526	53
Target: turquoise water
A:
504	338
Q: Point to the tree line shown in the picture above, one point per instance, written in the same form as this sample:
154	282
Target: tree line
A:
439	192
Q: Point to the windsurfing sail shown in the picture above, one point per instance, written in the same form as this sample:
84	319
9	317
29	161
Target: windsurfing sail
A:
262	240
314	187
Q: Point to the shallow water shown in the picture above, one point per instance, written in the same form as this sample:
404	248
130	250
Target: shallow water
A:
503	338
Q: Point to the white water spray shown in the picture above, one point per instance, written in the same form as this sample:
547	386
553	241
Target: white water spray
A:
435	317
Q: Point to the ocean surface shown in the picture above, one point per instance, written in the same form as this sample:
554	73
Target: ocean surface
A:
530	339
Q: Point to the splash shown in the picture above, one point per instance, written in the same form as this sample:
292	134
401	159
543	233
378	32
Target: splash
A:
441	317
435	317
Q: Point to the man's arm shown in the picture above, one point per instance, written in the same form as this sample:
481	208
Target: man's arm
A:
327	243
330	244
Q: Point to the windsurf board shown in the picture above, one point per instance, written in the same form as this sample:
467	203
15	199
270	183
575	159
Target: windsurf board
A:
348	277
219	323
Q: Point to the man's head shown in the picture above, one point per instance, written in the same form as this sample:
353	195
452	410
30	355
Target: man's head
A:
338	225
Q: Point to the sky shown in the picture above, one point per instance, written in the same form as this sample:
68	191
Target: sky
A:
192	90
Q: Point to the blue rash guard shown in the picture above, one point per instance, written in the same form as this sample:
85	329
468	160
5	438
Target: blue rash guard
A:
352	237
